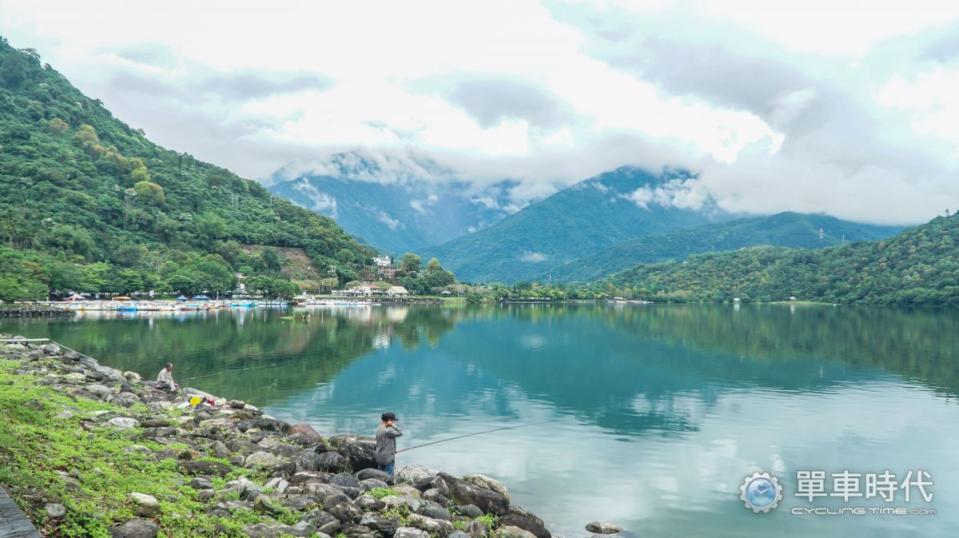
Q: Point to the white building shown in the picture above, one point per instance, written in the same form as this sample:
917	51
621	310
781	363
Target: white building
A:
397	291
383	261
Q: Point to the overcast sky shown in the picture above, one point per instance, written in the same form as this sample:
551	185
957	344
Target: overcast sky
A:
823	106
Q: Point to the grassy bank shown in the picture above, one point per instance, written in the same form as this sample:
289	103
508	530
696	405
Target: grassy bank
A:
51	452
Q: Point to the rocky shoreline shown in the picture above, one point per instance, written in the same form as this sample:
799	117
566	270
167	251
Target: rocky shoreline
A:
29	310
300	483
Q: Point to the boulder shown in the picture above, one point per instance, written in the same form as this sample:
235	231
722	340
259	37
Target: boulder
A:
322	521
206	468
380	524
262	459
268	530
307	432
433	510
365	474
411	473
277	484
135	528
433	526
361	453
487	500
309	460
55	510
410	532
436	496
512	532
132	377
123	423
263	424
346	512
147	505
344	480
484	481
372	483
397	501
369	503
522	518
468	510
603	527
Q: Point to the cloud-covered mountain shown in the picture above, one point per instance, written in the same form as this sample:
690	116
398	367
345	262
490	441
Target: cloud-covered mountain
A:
395	204
580	220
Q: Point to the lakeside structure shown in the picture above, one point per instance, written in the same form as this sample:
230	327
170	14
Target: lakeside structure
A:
248	473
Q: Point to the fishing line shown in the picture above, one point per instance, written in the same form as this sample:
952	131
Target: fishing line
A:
501	428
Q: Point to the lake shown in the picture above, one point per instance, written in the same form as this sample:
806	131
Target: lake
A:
649	416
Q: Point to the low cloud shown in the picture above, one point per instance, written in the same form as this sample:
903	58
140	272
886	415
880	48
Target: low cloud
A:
533	257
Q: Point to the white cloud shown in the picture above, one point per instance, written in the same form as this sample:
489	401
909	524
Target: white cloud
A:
390	222
322	202
533	257
678	193
796	105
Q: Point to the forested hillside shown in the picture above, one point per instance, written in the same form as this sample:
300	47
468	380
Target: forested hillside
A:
788	229
575	222
918	266
88	203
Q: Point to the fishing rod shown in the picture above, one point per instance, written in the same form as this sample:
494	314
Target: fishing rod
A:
501	428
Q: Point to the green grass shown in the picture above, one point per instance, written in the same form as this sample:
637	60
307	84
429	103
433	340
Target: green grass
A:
379	493
44	459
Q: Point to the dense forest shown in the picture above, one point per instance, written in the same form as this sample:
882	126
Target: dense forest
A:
88	203
789	229
918	266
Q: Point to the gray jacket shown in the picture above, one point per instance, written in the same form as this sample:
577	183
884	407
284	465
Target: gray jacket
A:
386	443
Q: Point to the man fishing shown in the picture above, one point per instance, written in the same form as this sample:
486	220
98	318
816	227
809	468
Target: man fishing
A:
386	435
165	378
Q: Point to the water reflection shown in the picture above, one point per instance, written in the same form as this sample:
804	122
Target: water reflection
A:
649	416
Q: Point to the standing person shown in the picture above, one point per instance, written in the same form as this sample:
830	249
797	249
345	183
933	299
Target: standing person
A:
165	378
386	435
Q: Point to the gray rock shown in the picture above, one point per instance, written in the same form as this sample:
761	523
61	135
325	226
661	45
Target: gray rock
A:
277	484
147	505
435	496
322	521
346	512
132	377
411	473
372	483
123	423
361	453
459	534
206	468
262	459
410	532
344	480
484	481
397	501
100	391
603	527
374	474
378	523
303	529
487	500
135	528
267	530
468	510
433	510
220	449
513	532
522	518
201	483
430	525
369	503
126	399
205	494
55	510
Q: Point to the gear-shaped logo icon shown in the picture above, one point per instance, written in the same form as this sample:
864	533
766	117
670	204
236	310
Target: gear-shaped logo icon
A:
761	492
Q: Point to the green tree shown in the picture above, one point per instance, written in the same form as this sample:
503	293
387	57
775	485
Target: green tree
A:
150	192
410	263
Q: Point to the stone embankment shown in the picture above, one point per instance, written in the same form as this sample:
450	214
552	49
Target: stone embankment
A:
330	485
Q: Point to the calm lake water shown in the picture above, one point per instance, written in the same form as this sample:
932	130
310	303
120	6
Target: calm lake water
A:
647	416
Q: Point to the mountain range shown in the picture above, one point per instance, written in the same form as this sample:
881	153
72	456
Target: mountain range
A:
917	266
394	205
786	229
